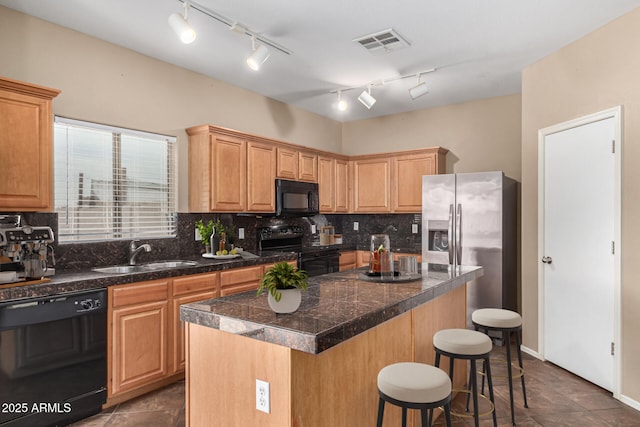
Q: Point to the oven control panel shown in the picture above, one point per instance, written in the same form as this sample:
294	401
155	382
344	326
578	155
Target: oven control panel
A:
280	232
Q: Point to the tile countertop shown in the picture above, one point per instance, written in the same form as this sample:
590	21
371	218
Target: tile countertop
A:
65	282
334	308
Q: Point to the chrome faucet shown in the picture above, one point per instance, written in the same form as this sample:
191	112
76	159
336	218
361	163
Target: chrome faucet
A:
135	250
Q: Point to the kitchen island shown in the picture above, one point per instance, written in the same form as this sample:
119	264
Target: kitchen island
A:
321	362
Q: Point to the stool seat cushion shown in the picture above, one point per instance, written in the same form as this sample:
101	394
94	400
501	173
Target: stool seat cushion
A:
496	318
414	382
462	341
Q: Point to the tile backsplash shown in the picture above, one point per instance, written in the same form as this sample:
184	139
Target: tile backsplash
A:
80	256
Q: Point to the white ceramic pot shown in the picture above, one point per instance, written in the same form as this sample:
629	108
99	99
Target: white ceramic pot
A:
290	301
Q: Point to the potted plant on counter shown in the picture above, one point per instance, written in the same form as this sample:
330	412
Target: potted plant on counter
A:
206	231
284	284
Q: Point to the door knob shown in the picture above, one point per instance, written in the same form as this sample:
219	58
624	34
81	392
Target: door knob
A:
547	259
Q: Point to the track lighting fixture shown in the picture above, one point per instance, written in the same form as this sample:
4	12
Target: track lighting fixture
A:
259	55
342	104
366	99
418	90
181	26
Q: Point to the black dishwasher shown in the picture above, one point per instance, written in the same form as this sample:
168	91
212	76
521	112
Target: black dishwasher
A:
53	359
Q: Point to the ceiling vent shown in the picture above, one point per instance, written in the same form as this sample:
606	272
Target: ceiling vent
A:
382	42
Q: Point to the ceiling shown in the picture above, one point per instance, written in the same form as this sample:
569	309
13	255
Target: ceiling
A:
477	48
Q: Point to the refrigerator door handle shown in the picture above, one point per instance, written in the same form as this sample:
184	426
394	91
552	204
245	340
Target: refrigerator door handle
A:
459	235
450	235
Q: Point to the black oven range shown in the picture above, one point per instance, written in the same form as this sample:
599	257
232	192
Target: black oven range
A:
315	260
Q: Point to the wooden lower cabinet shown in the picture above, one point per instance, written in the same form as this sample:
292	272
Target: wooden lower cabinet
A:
347	260
240	280
138	335
187	289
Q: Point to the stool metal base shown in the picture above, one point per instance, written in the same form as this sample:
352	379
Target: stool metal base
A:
473	383
506	336
426	409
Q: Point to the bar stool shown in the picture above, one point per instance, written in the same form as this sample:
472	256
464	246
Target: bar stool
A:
467	345
415	386
506	322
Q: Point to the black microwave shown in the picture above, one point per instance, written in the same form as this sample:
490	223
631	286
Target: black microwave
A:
296	198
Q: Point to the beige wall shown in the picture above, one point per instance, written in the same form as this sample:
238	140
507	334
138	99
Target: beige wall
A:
108	84
480	136
599	71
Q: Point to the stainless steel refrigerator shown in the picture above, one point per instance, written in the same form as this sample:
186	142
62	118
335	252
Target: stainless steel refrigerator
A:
470	219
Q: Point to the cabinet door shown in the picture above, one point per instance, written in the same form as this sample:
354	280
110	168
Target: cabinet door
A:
178	353
138	335
341	196
240	280
362	258
347	260
407	180
26	146
187	289
261	175
228	174
371	185
287	163
326	183
307	167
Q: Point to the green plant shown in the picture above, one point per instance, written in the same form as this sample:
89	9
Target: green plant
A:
208	229
205	230
282	276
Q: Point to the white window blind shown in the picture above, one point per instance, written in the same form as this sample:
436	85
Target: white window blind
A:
113	183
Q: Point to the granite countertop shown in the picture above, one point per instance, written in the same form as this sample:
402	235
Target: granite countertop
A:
65	282
334	308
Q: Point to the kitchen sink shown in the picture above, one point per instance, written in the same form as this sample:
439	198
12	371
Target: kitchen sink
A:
168	264
159	265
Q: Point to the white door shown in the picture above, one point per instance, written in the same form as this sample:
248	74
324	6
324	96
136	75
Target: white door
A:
579	268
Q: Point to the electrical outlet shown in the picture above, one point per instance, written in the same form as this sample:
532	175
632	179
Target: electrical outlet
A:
263	398
313	229
356	226
197	235
414	228
240	233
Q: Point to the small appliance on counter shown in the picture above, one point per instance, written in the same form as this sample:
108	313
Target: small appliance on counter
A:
24	250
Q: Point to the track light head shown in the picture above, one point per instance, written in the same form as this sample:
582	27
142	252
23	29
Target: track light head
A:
181	26
258	57
366	99
418	90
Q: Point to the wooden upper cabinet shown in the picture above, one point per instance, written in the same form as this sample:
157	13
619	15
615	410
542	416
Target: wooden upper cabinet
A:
326	183
333	185
307	166
287	163
228	174
371	185
296	165
217	171
261	175
407	178
342	186
26	143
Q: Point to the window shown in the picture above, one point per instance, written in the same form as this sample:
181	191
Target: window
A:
113	183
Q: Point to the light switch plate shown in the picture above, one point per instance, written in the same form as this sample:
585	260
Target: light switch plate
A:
313	229
197	235
414	228
241	233
356	225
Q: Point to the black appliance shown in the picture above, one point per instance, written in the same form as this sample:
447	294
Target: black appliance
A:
315	260
53	351
295	198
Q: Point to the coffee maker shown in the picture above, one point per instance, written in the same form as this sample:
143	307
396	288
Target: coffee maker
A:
24	249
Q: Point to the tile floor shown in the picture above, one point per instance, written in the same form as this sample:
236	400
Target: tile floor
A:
556	398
